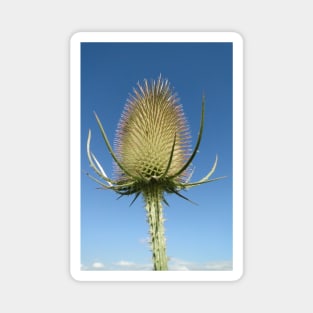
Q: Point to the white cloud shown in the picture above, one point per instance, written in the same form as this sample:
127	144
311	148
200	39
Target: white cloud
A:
124	263
83	267
130	266
97	265
219	266
181	265
178	265
174	264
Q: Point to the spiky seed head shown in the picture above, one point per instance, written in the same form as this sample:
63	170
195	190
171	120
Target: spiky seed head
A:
152	129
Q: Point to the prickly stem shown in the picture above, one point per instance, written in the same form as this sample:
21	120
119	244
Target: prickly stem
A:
153	201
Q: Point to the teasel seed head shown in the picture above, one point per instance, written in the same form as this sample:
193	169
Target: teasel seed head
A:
152	145
152	125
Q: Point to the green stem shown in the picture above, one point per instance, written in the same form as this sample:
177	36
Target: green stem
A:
153	200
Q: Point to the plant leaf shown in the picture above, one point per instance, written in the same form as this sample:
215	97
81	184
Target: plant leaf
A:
111	150
197	144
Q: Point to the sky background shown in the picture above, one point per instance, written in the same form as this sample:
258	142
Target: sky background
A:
113	234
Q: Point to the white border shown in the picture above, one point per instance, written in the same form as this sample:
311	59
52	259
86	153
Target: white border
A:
75	168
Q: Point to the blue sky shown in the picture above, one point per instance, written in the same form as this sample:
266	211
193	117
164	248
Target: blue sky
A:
113	234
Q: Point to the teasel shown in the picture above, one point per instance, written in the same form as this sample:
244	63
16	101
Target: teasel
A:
152	156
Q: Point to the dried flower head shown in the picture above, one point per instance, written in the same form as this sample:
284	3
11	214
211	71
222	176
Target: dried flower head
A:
152	125
152	143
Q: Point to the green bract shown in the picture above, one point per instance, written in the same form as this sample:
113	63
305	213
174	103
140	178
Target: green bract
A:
152	155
